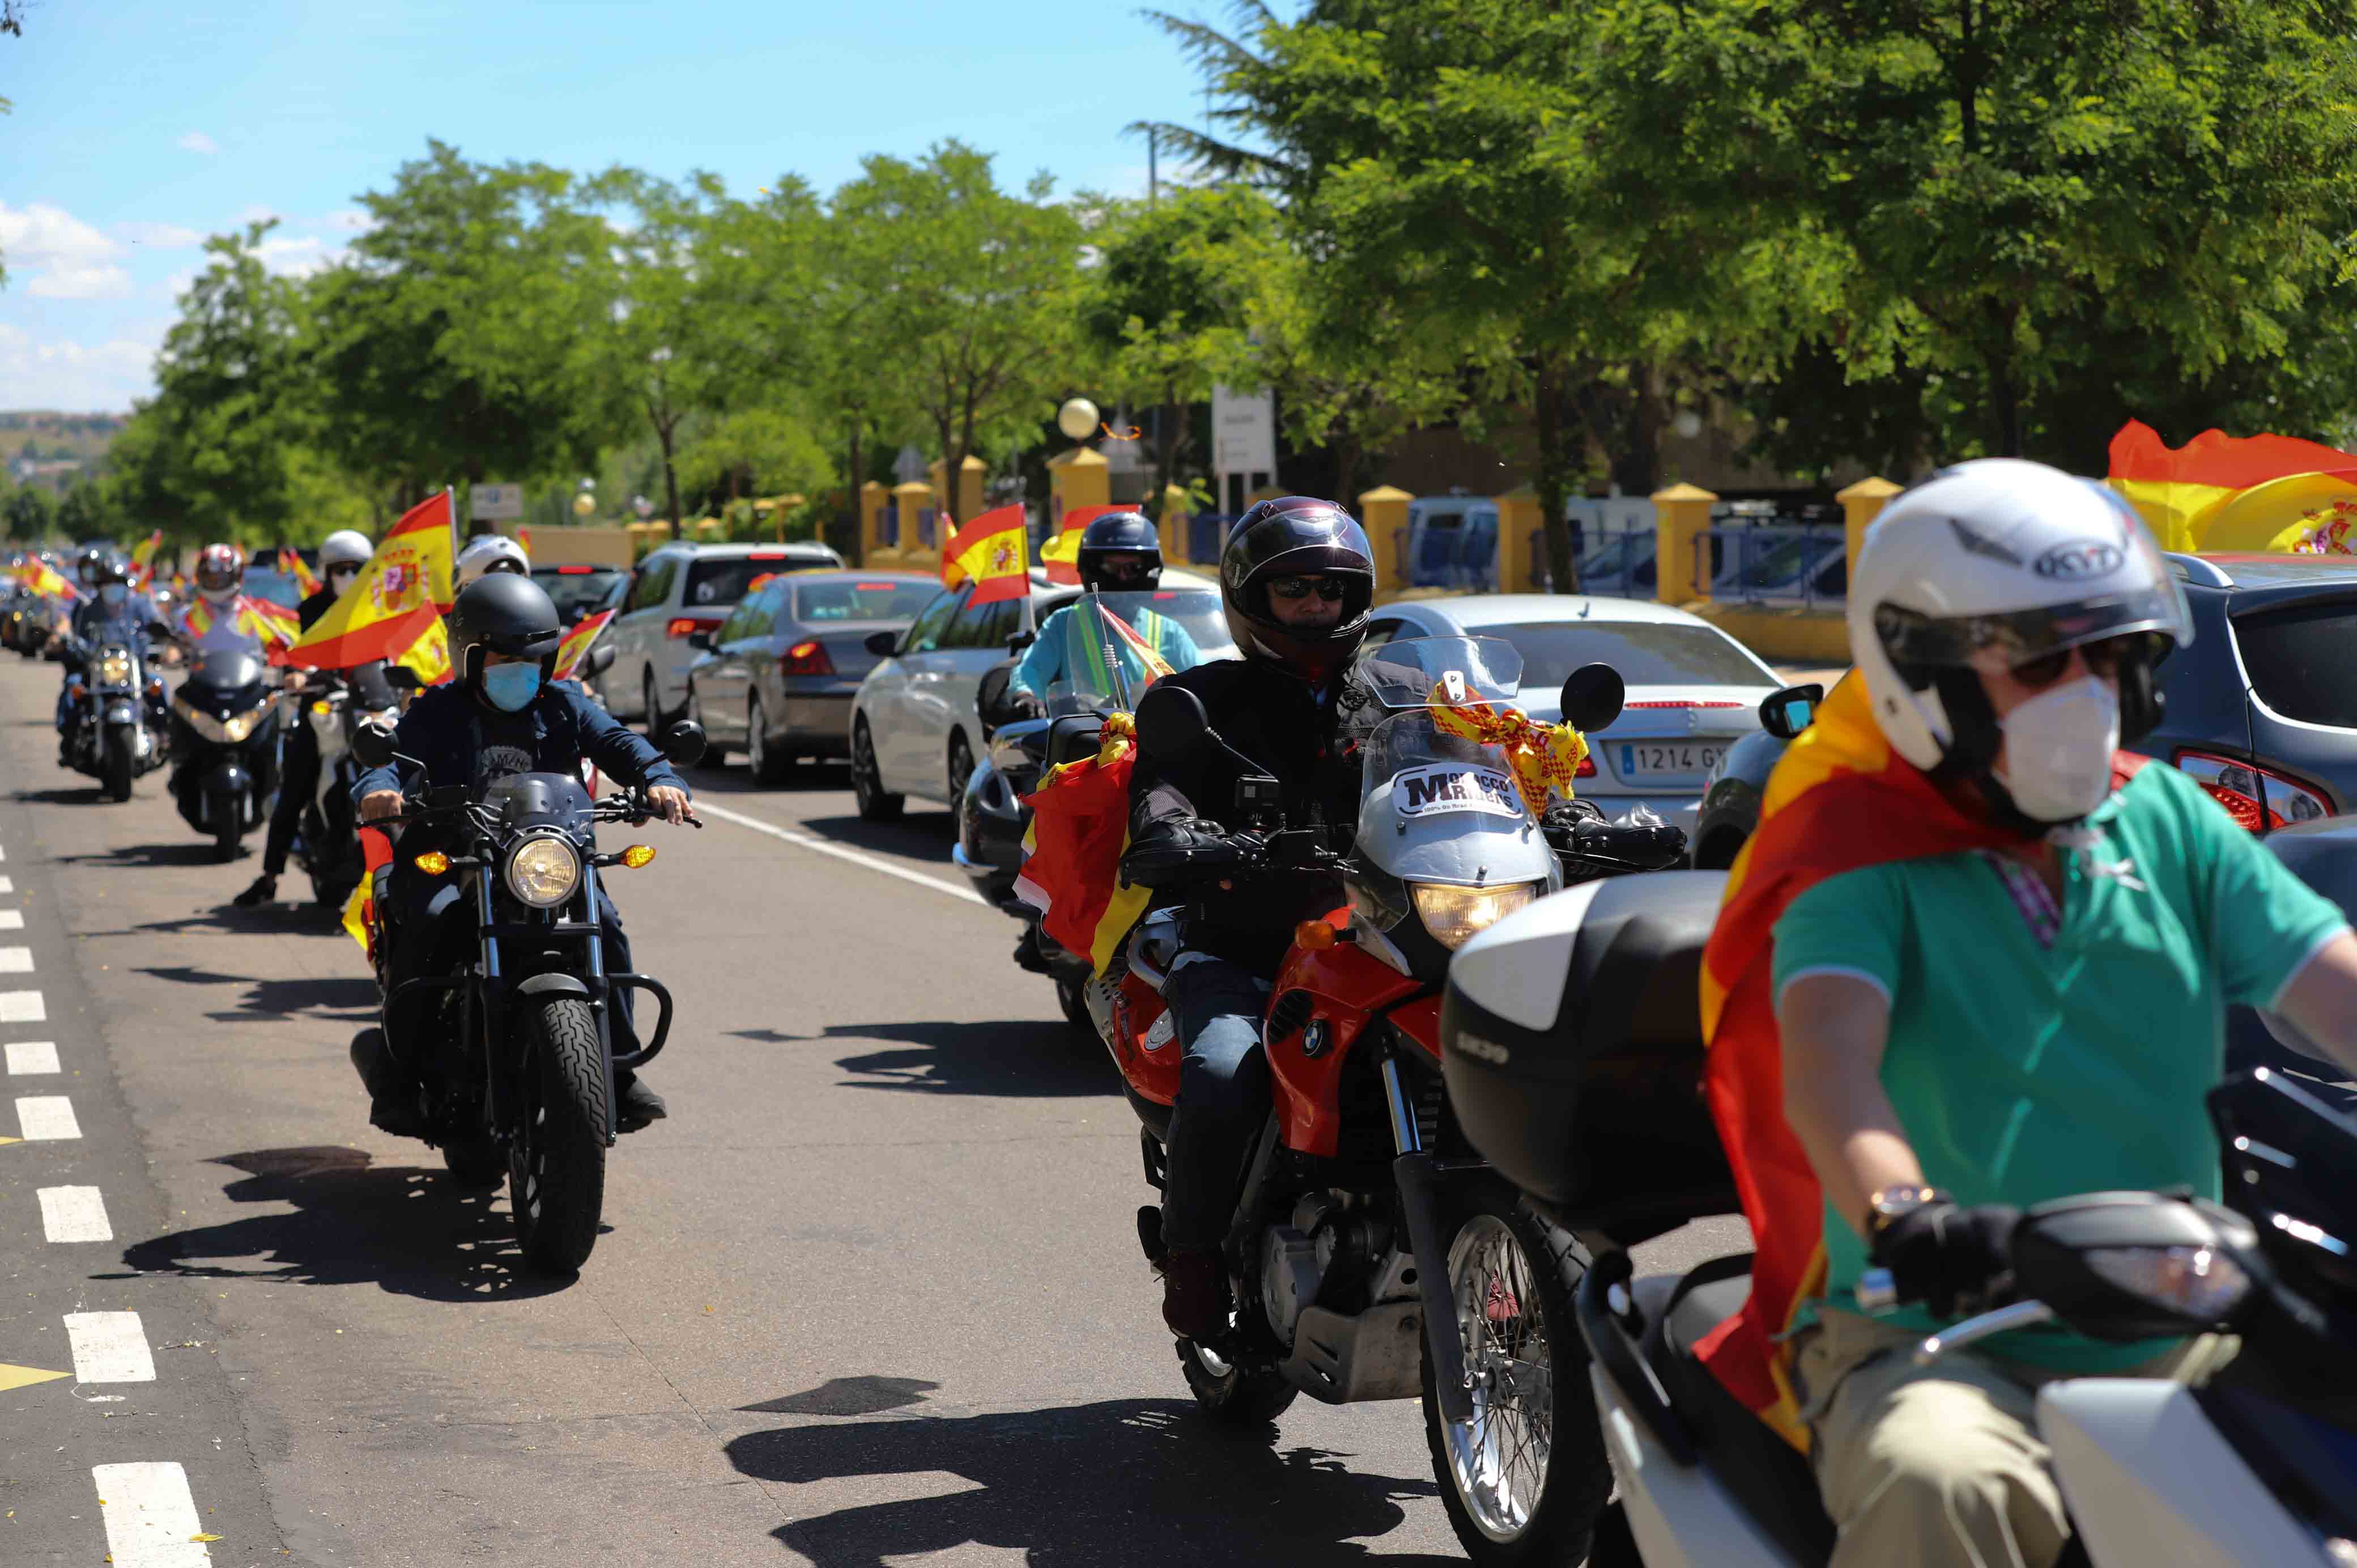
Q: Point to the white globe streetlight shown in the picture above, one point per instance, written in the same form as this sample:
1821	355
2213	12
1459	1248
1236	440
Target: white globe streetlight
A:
1078	418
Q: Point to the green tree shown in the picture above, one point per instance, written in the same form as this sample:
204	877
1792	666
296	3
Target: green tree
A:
28	512
753	452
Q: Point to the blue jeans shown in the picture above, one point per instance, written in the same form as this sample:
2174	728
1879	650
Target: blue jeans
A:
1224	1097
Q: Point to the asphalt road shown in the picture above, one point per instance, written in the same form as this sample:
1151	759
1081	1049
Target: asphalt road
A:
871	1295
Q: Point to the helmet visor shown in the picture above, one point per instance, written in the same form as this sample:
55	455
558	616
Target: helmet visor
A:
2020	636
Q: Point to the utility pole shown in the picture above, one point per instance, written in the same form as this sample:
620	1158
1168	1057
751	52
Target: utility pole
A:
1153	174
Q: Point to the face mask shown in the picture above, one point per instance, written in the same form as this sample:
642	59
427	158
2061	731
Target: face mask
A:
113	594
2058	750
511	687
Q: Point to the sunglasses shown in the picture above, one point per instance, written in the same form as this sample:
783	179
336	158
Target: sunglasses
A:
2103	659
1331	589
343	569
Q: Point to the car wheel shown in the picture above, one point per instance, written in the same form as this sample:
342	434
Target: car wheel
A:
961	769
769	766
876	803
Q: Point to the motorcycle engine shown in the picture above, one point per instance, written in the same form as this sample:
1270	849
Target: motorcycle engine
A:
1296	1259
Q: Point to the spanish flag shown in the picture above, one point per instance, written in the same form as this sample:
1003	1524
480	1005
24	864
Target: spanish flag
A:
291	562
44	579
360	909
2221	492
1073	850
575	646
429	655
396	600
1840	799
143	559
990	550
272	625
1062	555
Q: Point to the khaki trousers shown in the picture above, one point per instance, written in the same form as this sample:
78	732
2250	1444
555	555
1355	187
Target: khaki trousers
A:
1941	1467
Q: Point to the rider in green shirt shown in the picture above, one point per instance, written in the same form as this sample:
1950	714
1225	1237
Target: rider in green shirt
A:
1119	553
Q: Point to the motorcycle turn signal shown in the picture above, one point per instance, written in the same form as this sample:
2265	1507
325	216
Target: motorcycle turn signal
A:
434	863
1317	936
637	856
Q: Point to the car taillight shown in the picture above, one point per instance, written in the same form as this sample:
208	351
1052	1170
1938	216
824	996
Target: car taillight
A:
1587	769
805	658
575	571
683	625
2257	798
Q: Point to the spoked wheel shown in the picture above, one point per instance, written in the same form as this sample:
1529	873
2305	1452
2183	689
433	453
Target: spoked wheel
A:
1231	1394
876	803
1526	1479
769	766
556	1165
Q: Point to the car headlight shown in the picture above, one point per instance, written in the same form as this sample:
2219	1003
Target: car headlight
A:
2202	1285
1454	913
544	872
114	669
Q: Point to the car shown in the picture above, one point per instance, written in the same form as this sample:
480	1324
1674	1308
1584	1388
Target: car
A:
580	592
916	727
678	590
1694	692
776	677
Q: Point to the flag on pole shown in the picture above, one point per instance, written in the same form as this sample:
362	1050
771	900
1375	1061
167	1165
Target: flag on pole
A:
291	562
273	625
990	550
1062	555
404	586
143	560
575	646
360	909
523	537
44	579
2252	492
429	655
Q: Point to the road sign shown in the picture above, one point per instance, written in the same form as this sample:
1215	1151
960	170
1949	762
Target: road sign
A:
1244	432
493	502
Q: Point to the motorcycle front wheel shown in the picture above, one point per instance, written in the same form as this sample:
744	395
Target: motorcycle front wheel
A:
556	1163
118	766
1526	1479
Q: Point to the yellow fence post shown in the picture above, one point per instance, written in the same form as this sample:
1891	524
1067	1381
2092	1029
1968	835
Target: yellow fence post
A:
1861	504
967	505
1682	518
1522	542
1170	523
1382	512
874	497
914	499
1076	479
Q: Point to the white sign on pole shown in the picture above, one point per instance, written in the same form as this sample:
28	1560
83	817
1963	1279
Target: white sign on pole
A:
492	502
1244	432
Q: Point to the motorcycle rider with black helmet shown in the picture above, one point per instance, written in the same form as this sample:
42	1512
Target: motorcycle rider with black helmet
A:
501	715
1121	553
110	603
1297	580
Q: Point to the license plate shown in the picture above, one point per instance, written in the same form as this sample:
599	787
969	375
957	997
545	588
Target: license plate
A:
1637	759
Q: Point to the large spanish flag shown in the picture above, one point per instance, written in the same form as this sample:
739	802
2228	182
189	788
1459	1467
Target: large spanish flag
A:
44	579
575	646
990	550
273	625
1073	850
395	602
2225	493
1062	555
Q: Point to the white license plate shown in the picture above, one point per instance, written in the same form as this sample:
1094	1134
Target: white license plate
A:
1638	758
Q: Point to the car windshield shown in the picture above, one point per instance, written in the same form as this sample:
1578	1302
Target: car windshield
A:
1647	654
1114	645
715	581
850	598
576	590
1427	763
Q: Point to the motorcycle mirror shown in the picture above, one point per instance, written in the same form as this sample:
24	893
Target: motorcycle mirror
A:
683	743
1593	696
1787	712
597	661
372	743
401	678
883	644
1020	641
1171	723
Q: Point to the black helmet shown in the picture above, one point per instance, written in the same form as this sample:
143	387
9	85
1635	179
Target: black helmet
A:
104	567
505	614
1297	535
1119	533
89	565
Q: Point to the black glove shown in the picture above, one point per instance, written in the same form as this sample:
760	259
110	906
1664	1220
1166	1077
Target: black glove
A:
1953	1259
1024	706
1181	853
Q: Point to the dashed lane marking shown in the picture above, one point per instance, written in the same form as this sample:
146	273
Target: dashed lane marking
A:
23	1007
7	885
46	1116
25	1376
16	960
110	1347
819	846
151	1517
12	920
28	1058
75	1214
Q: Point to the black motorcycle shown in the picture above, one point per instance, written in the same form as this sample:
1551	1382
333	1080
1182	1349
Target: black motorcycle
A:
225	746
113	705
511	1059
327	841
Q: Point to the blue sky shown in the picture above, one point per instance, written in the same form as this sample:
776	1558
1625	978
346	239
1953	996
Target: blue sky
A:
140	127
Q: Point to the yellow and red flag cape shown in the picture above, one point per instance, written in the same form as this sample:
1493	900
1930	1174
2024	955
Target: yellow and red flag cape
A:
396	602
273	625
44	579
1062	555
2221	492
990	550
1840	799
575	646
1073	850
291	562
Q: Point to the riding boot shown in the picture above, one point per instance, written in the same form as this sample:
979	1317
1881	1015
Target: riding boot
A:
392	1098
636	1103
1195	1292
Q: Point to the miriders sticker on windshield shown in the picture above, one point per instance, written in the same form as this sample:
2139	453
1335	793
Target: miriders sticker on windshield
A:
1442	787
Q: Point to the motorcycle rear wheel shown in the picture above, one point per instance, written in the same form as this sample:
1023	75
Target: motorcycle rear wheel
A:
1233	1395
118	766
556	1164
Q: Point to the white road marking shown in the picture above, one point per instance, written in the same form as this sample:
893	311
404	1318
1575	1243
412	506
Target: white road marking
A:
110	1347
16	960
804	841
12	920
75	1214
151	1516
27	1057
23	1007
46	1116
7	885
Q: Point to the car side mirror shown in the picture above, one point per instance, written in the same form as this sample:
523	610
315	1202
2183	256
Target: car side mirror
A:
1170	723
683	743
701	640
372	743
883	644
597	661
1787	712
1593	696
401	678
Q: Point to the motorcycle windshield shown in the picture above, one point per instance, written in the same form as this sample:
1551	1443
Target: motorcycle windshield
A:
1107	649
1412	766
1392	676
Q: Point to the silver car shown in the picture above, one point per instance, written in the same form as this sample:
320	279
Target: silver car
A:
680	590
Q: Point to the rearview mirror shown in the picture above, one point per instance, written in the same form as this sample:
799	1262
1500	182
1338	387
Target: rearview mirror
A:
1170	723
372	743
1787	712
1593	696
883	644
683	743
701	640
401	678
597	661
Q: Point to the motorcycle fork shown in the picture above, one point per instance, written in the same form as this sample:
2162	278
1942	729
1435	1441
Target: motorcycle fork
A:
498	1086
601	995
1419	1191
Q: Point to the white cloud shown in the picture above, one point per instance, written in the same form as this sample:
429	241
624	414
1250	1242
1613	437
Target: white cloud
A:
69	376
178	284
63	257
197	142
80	283
351	221
160	236
293	257
258	213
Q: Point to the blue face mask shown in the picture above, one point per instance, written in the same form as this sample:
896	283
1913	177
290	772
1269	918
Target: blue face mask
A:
512	687
113	594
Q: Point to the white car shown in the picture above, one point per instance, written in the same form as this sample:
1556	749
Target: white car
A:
915	728
1693	690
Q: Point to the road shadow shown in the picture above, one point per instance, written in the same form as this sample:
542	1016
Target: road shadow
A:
1029	1059
403	1228
1140	1483
848	1396
180	852
333	996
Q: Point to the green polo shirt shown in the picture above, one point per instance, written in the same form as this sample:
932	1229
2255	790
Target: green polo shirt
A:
2023	1073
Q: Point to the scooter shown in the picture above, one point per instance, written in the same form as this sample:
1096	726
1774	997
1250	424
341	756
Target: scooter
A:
225	744
1572	1049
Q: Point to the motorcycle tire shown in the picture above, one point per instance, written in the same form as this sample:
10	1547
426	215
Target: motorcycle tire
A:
1072	996
118	766
1506	1510
226	838
556	1164
475	1161
1233	1395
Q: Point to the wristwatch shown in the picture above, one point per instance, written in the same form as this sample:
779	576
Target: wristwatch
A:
1888	1204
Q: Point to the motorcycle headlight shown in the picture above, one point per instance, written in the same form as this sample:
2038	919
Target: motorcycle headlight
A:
114	669
207	726
1454	913
544	872
237	726
2200	1284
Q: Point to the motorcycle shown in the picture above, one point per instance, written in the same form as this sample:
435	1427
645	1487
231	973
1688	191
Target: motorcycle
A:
1572	1048
225	734
1372	1255
327	841
512	1064
113	705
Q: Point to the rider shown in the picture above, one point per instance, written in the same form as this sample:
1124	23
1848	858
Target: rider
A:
491	552
1297	580
2032	1015
1119	553
210	619
111	602
501	715
341	555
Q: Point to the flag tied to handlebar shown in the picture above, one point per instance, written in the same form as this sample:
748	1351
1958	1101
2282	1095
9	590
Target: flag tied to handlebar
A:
1541	757
1073	850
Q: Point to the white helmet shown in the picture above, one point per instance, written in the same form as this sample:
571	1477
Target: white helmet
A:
478	557
345	547
2015	556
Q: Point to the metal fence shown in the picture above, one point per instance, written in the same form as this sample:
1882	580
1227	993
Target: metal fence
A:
1207	535
1803	563
888	525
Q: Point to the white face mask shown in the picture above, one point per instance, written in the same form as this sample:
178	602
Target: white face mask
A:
2058	750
